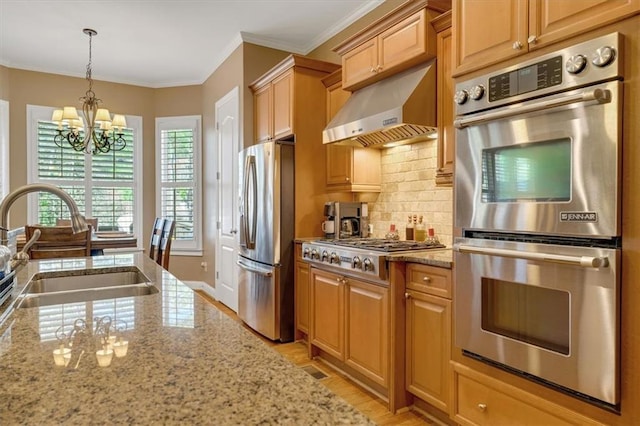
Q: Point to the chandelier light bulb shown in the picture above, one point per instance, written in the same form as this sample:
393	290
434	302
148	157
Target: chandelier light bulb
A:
98	134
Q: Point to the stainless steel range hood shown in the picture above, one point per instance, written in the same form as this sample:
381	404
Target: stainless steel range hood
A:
397	110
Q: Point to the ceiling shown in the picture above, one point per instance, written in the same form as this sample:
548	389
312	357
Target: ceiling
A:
161	43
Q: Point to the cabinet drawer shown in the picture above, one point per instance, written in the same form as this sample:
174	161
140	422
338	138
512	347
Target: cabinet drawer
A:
482	400
429	279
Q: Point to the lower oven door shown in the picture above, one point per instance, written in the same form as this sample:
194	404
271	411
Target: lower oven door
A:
547	310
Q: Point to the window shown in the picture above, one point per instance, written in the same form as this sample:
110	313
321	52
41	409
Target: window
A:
105	186
178	147
4	148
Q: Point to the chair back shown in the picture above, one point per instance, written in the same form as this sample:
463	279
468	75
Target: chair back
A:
160	243
58	242
93	221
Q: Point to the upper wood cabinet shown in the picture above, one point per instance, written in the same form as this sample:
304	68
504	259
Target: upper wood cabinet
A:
395	42
286	100
273	109
445	108
348	168
488	32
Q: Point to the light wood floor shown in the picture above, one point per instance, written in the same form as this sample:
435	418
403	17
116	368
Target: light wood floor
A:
365	402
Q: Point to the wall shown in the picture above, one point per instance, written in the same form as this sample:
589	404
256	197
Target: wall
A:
4	83
408	187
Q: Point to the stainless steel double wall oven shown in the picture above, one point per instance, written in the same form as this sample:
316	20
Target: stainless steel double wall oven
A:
538	187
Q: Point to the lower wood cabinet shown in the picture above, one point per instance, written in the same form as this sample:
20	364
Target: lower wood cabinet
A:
428	334
301	291
350	321
483	400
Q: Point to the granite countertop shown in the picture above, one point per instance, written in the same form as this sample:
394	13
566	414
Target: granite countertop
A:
187	363
441	258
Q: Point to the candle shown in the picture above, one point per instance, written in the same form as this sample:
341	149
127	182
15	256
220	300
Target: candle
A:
61	356
104	357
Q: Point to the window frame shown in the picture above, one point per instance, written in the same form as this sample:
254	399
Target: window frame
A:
4	148
183	247
36	113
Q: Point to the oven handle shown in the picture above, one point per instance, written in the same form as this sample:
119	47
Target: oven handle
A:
601	96
584	261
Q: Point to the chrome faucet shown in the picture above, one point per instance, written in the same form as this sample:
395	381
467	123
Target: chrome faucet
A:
78	223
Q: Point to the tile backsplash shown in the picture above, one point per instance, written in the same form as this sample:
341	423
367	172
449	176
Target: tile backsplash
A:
409	187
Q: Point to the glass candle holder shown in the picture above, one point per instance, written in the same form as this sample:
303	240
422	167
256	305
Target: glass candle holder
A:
61	356
120	348
104	357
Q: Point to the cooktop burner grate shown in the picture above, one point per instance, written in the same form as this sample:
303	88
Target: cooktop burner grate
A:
381	244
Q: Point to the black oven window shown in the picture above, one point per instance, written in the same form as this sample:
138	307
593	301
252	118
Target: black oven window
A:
539	171
530	314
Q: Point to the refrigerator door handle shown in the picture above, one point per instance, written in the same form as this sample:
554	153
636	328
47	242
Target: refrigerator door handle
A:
264	272
248	237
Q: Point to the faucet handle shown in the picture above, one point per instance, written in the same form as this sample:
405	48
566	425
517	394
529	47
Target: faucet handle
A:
21	258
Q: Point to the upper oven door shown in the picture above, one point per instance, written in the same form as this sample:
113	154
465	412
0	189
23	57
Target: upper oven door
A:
545	166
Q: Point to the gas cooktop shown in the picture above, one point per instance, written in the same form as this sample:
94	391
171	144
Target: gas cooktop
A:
360	256
381	244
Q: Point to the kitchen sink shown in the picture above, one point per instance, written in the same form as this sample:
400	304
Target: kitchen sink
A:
58	287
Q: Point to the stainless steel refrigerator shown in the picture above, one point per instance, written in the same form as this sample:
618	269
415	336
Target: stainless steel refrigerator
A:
266	258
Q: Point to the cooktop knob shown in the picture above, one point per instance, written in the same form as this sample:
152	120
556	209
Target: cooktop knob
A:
367	265
325	256
575	64
477	92
315	254
356	263
305	252
334	258
603	56
461	97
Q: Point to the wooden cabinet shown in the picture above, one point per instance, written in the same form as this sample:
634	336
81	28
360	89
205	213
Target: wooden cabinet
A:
286	100
483	400
301	289
488	32
428	334
367	330
327	311
445	108
348	168
395	42
350	322
273	109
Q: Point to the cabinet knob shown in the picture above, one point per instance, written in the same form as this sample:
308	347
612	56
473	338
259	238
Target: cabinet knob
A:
347	179
517	45
379	68
532	39
482	407
373	69
407	295
426	279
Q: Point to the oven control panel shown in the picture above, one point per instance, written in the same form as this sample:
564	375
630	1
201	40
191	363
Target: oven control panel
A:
345	260
583	64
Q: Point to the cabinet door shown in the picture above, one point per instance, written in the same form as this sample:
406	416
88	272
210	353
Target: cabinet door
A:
428	340
403	42
446	134
486	32
327	311
339	165
552	20
360	63
367	330
262	114
282	88
302	296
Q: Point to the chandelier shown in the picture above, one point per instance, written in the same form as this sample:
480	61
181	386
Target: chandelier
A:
96	131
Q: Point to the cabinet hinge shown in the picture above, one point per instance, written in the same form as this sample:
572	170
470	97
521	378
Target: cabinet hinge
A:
218	175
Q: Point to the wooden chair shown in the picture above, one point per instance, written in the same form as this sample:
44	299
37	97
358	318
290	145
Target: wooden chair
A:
58	241
160	243
90	220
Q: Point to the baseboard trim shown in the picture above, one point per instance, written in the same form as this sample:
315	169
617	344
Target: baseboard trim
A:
201	286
